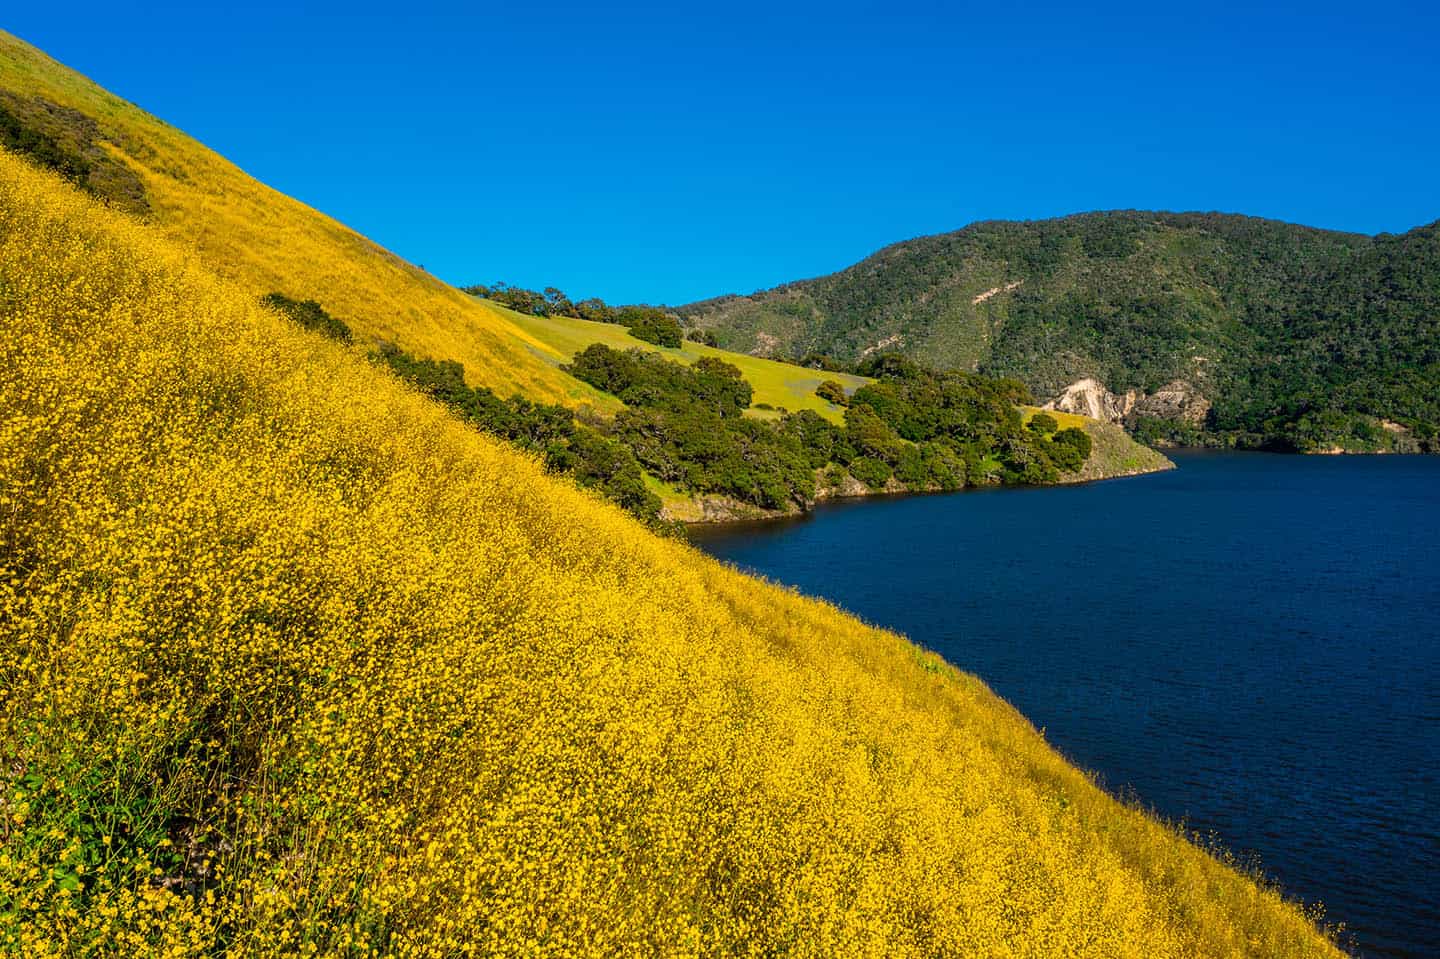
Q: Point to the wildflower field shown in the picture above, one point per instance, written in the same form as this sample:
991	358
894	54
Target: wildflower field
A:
268	242
292	662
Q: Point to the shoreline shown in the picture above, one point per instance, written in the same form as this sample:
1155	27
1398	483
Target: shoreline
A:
717	510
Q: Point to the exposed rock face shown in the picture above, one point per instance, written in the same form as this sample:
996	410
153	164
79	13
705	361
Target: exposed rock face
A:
1401	439
1176	400
1007	288
848	487
765	345
712	508
1089	397
888	343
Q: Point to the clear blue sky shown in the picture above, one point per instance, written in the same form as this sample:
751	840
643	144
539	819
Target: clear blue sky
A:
674	152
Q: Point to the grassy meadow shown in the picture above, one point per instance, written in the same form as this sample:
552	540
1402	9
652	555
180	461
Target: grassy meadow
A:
778	385
292	662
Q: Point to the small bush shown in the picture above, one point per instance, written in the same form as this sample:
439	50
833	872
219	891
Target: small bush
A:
833	392
1043	423
1077	439
310	315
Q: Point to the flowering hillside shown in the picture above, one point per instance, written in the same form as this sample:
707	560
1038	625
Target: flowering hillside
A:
293	663
266	241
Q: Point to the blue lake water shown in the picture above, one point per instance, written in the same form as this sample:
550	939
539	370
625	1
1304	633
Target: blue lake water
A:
1250	643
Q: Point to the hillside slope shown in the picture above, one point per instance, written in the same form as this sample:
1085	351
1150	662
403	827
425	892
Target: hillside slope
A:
777	385
1113	453
295	663
1253	326
268	242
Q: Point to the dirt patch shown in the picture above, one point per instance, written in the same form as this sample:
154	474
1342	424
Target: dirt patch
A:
885	344
994	290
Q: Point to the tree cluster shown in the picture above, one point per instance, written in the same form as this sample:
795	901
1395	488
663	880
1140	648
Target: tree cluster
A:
915	427
948	429
592	459
685	425
550	301
645	379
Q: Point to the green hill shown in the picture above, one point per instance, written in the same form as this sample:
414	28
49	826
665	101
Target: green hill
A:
1268	333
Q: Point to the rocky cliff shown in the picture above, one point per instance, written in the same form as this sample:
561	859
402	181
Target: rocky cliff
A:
1176	400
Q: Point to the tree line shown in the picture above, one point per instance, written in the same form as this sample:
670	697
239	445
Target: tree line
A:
912	428
653	324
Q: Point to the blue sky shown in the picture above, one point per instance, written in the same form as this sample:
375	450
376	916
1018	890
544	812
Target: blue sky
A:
671	152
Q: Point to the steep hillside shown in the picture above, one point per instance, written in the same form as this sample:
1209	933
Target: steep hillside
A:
1260	329
287	253
293	663
265	241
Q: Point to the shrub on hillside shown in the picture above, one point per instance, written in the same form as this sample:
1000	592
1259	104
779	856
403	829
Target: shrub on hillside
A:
651	325
310	315
832	391
1043	423
69	143
590	458
1077	439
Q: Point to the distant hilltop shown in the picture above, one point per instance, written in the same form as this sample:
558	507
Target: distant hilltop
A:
1220	328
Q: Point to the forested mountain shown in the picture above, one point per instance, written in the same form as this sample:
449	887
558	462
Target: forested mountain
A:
1252	331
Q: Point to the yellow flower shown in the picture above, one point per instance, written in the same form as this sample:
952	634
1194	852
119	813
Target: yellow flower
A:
297	664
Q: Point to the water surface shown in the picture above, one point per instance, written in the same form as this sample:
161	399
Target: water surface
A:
1250	643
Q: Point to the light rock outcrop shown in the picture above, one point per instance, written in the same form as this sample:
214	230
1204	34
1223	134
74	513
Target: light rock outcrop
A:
885	344
766	345
1007	288
1176	400
1089	397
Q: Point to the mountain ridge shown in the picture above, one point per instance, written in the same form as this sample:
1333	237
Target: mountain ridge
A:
1292	333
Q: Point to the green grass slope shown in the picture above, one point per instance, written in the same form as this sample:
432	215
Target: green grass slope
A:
778	385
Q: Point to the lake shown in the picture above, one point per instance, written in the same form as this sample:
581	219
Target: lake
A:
1250	643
